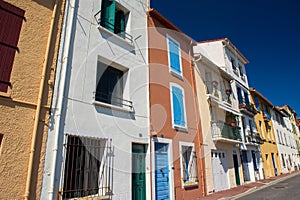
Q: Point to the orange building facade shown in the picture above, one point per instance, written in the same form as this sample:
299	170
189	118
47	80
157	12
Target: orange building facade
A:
177	163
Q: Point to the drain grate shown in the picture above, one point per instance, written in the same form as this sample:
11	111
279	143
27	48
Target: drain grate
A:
281	186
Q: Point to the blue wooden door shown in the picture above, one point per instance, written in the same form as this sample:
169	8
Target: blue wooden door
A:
162	187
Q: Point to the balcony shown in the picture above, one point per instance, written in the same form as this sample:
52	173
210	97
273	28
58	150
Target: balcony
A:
105	24
253	138
247	108
222	131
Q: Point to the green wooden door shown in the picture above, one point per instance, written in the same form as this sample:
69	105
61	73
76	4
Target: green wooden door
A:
236	169
138	172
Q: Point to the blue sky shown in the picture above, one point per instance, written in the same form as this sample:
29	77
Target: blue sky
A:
266	32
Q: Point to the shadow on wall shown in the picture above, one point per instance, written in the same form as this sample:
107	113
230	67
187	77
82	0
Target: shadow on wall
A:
46	3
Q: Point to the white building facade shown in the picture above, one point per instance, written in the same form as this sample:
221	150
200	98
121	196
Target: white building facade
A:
286	143
98	142
232	63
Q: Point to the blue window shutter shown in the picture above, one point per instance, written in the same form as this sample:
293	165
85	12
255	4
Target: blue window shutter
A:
178	106
174	56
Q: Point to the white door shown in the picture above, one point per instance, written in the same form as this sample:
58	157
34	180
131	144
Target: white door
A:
220	169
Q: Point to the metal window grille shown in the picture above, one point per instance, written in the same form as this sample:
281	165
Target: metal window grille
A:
87	170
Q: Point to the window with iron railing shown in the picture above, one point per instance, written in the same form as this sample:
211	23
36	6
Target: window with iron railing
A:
86	168
114	18
110	86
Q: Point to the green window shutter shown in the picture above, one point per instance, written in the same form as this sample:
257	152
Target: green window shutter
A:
120	23
108	14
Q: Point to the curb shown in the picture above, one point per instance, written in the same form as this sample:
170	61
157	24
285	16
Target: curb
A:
255	188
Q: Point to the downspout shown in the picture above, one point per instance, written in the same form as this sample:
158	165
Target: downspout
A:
203	189
39	104
61	91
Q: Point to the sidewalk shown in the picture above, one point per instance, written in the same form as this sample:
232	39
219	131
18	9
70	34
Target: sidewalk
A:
241	190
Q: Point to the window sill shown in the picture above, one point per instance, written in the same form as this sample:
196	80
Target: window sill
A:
180	128
190	184
116	37
113	107
176	74
5	95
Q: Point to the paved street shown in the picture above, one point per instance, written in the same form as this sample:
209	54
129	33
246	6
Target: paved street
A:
286	189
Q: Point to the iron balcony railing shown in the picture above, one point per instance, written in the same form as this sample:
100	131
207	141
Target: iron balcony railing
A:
247	106
253	137
225	130
113	100
103	22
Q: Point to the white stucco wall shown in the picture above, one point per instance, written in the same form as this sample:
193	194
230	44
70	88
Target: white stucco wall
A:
286	143
81	115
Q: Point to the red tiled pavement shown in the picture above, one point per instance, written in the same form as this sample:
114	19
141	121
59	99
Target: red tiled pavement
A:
243	188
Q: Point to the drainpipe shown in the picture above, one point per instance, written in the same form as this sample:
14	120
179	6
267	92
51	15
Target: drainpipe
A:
203	189
39	104
69	13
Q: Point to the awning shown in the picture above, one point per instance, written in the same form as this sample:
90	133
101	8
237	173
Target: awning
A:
229	109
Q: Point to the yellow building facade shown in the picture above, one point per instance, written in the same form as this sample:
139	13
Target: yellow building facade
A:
269	150
29	37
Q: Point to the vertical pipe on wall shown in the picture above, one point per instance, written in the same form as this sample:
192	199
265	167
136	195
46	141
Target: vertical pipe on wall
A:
39	104
200	142
69	21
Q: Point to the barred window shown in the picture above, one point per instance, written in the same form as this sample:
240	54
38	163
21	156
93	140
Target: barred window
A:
86	167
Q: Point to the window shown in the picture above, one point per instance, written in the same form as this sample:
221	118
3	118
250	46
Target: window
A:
251	126
246	98
86	169
256	103
188	165
254	160
283	160
114	17
233	64
110	86
178	106
174	56
1	137
11	19
266	112
240	96
241	70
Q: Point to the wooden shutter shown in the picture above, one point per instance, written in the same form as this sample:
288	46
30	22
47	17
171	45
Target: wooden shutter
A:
174	56
178	106
108	14
11	19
